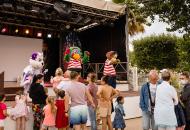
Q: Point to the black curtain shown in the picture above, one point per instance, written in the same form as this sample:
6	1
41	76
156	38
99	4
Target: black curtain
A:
104	38
51	56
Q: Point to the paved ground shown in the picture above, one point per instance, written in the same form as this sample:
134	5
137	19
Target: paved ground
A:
133	124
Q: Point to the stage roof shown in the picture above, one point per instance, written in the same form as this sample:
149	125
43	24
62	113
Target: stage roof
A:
101	4
58	15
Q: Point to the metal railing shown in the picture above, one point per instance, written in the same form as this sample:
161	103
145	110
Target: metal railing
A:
98	68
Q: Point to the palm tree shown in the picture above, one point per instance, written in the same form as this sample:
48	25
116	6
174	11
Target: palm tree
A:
135	24
136	19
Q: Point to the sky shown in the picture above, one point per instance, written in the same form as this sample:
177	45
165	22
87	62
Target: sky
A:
156	28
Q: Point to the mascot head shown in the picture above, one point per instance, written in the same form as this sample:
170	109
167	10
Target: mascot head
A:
112	56
36	60
76	54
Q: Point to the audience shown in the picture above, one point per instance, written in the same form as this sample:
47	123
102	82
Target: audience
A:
93	89
38	95
166	99
106	93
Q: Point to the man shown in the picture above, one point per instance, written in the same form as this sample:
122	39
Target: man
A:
166	99
147	100
185	97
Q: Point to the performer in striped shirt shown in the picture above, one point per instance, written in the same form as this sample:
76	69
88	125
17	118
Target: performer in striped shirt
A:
73	56
109	68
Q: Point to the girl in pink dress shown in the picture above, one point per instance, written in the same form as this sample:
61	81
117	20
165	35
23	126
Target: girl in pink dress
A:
50	114
20	111
57	79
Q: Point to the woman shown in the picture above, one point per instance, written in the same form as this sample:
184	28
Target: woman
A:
78	92
38	96
166	98
105	94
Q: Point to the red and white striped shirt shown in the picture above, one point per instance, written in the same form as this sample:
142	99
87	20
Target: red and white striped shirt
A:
109	69
74	64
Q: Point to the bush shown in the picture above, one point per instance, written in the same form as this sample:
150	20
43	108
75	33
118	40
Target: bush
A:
184	54
156	52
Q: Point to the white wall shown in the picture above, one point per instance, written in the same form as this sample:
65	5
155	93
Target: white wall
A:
15	53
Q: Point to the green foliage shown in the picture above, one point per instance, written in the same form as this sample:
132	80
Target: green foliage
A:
156	52
184	54
174	12
136	18
118	1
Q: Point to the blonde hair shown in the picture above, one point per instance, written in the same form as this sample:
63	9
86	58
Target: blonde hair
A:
59	72
51	101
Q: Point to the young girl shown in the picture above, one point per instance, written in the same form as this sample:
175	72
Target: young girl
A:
93	89
50	113
62	109
119	122
58	77
20	111
3	111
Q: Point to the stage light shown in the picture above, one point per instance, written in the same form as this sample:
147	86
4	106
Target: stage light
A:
4	30
27	31
39	34
68	26
49	35
16	31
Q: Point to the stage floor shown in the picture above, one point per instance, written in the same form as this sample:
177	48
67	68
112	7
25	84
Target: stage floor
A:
122	92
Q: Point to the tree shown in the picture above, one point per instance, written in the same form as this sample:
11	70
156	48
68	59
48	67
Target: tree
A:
136	19
184	54
156	52
174	12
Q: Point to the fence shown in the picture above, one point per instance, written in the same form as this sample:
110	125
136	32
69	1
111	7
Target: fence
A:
121	69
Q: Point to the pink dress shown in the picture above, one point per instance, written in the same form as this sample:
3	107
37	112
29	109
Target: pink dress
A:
49	119
56	80
20	109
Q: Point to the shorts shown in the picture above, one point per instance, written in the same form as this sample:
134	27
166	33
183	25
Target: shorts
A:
104	111
2	123
78	114
48	127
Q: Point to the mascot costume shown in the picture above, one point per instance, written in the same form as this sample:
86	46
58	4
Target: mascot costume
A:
35	67
109	69
73	56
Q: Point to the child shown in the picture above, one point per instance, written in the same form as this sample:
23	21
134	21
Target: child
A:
3	111
105	94
20	111
62	109
93	89
50	112
58	77
119	122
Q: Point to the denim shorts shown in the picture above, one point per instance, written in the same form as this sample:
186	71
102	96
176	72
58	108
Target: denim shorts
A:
78	114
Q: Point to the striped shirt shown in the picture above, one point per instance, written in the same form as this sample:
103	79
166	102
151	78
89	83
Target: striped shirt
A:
74	64
109	69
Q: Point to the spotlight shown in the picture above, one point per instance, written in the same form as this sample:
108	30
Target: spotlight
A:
39	34
49	35
16	31
4	30
68	26
27	31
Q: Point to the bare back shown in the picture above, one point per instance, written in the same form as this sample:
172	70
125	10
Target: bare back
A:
105	92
